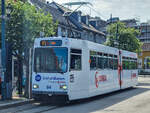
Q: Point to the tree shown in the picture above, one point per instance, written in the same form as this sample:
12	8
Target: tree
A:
24	25
122	37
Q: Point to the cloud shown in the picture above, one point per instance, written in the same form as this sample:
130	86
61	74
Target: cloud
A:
125	9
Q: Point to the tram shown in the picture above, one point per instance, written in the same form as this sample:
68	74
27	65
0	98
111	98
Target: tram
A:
70	69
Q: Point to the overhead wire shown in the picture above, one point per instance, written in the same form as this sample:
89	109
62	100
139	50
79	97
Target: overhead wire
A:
101	15
97	12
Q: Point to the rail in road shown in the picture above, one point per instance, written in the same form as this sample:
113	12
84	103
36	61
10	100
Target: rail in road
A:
30	108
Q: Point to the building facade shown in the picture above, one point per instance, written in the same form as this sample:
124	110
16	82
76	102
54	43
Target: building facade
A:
144	56
132	23
145	33
71	24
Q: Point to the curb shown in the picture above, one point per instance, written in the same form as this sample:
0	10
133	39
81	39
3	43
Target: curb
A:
144	75
16	103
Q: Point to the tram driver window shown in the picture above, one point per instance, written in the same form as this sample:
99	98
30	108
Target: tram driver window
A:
75	60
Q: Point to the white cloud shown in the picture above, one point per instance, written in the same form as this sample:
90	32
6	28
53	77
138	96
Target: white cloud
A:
125	9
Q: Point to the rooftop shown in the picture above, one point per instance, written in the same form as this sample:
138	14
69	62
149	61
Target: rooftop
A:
57	14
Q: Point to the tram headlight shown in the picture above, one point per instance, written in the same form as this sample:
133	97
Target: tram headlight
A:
64	87
35	86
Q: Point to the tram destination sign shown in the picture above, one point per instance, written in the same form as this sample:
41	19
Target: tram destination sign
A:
51	42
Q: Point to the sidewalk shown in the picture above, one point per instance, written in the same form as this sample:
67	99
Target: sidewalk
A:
14	102
144	75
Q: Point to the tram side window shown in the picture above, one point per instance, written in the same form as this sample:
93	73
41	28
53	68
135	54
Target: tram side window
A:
93	62
123	64
129	63
100	63
133	65
126	65
105	60
115	62
75	62
110	63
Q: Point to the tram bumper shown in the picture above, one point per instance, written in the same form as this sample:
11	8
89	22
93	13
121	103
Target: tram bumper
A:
50	96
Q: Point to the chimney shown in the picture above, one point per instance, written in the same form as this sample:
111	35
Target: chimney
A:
47	2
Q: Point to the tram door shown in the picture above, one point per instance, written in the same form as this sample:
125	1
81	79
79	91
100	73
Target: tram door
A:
76	73
14	76
75	67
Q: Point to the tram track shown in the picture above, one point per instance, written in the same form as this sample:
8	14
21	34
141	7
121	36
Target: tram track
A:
16	109
25	108
37	109
22	108
52	108
33	108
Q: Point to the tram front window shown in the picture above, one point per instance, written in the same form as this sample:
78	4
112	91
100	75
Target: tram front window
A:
50	60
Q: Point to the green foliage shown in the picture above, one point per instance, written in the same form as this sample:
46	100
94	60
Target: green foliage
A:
25	24
125	38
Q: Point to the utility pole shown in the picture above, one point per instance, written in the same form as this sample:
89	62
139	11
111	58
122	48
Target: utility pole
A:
3	58
117	35
110	18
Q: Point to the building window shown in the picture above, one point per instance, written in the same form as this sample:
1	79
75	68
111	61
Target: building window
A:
147	63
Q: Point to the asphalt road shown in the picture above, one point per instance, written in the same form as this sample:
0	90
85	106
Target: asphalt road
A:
133	100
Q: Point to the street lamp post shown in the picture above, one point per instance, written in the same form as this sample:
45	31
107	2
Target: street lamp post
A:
3	79
4	88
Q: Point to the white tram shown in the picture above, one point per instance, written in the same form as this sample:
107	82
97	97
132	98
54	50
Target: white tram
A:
70	69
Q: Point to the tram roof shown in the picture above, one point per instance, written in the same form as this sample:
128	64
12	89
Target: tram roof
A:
78	43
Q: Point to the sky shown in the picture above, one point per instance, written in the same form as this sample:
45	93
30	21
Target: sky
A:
124	9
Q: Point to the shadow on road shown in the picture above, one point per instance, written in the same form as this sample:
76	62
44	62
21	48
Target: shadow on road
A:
103	101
